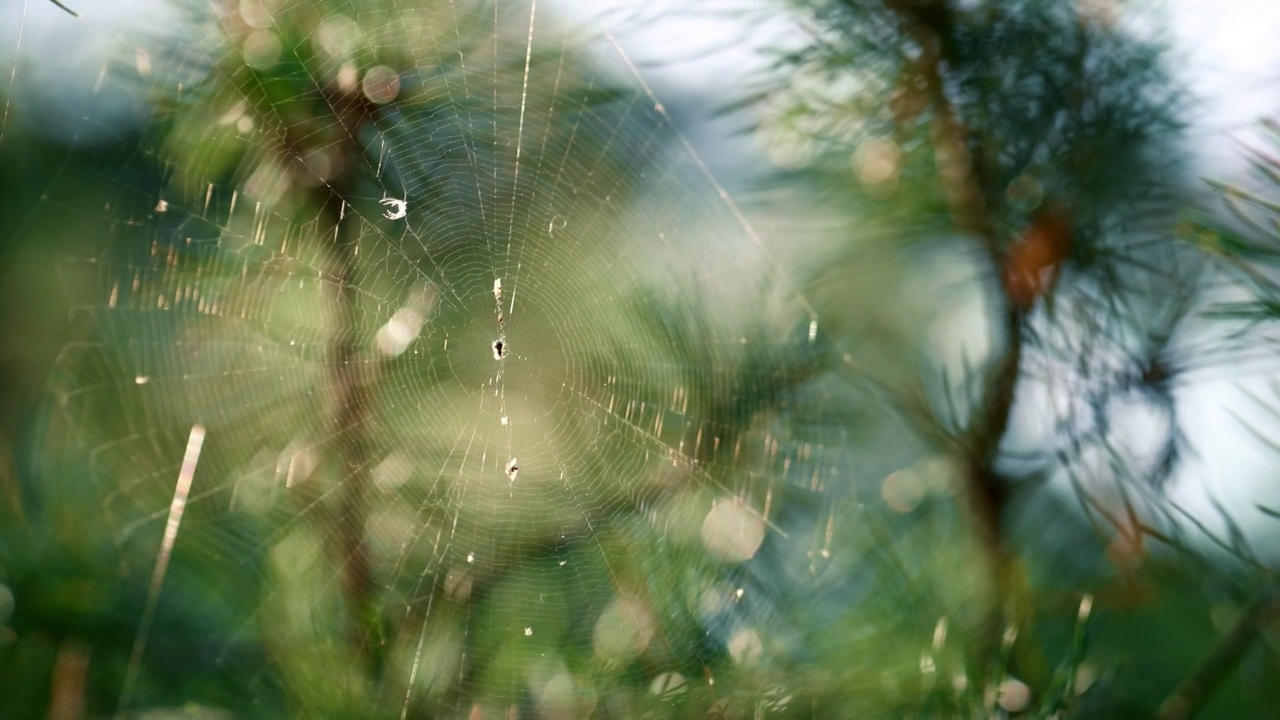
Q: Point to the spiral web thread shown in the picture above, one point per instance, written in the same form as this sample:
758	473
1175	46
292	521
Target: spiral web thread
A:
501	399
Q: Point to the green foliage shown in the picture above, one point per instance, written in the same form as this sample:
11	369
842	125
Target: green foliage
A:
710	474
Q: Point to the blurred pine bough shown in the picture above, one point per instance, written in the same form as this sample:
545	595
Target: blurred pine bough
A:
1026	135
1042	140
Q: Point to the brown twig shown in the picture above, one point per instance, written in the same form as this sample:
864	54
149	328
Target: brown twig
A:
352	418
930	25
350	422
68	10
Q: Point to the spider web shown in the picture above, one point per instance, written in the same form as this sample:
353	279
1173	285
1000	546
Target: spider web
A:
431	369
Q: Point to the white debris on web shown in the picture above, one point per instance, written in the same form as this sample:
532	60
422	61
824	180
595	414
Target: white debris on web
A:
528	632
505	420
399	208
162	205
813	328
497	300
512	469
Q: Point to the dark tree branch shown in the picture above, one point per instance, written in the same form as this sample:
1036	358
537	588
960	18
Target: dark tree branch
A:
930	25
350	423
353	414
68	10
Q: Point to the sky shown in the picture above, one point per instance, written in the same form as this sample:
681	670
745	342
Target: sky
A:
1226	54
1224	50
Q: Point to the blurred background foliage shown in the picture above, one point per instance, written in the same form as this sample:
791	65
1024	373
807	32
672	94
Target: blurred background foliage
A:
895	428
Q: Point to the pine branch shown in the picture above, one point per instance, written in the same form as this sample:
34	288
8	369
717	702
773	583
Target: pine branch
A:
986	492
66	9
351	422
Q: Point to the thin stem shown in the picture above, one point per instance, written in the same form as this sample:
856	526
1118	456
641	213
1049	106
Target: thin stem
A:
350	422
68	10
930	26
1190	696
